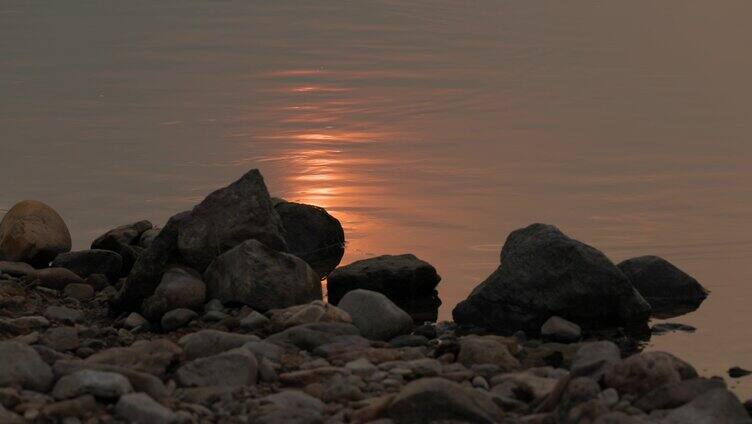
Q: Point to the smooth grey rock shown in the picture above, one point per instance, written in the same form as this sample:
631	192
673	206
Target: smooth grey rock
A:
79	291
262	278
63	314
236	367
139	408
179	288
61	338
592	359
140	381
662	284
34	233
717	406
310	336
643	372
544	273
100	384
134	320
177	318
375	315
253	321
407	281
561	330
266	350
430	400
16	269
312	235
21	365
57	278
211	342
94	261
228	217
149	356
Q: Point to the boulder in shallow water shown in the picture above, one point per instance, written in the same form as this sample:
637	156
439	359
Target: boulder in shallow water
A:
34	233
406	280
87	262
312	235
664	286
262	278
228	217
180	288
543	273
375	315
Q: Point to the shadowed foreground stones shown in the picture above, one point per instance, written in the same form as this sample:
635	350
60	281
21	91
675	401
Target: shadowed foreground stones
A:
432	400
663	285
406	280
312	235
545	273
94	261
21	365
375	315
34	233
262	278
124	240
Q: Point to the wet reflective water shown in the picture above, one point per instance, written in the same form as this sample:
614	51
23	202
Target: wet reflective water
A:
431	127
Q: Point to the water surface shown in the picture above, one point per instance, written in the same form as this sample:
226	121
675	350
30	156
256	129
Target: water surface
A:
431	127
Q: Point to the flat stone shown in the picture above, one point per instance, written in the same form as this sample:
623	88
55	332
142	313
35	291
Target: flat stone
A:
140	408
16	269
100	384
211	342
253	321
140	381
152	357
57	278
177	318
486	350
561	330
61	338
236	367
79	291
63	314
134	320
309	313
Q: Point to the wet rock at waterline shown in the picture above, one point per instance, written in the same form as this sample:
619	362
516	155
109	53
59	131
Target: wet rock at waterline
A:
669	290
262	278
313	235
544	273
406	280
228	217
34	233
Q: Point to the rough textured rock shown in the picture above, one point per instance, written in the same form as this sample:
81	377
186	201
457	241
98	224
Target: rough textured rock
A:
211	342
57	278
262	278
561	330
140	381
177	318
311	336
100	384
153	357
312	235
63	314
643	372
486	350
140	408
179	288
663	285
21	365
375	315
16	269
34	233
316	311
718	406
61	338
147	271
674	395
81	292
228	217
592	359
125	235
236	367
290	406
94	261
432	400
406	280
544	273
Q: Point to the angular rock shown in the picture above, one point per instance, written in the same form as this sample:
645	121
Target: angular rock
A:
262	278
152	357
664	286
179	288
236	367
316	311
211	342
545	273
21	365
406	280
57	278
177	318
312	235
718	406
430	400
100	384
643	372
486	350
228	217
34	233
561	330
94	261
126	235
140	408
375	315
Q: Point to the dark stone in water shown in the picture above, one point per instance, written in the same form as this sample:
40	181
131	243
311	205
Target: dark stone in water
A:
737	372
667	327
545	273
669	290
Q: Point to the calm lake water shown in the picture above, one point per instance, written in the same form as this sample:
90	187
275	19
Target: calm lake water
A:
432	127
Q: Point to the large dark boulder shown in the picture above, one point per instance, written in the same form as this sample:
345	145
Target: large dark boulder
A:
94	261
545	273
312	235
34	233
664	286
262	278
406	280
227	217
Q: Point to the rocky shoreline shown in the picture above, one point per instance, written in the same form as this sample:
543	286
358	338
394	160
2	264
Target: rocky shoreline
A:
220	316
